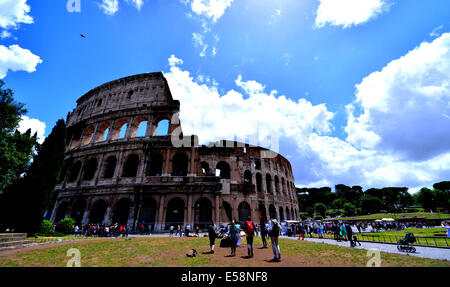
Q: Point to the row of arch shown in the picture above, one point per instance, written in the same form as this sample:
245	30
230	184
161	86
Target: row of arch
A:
119	130
175	212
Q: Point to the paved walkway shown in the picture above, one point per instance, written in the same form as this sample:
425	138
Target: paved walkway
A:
427	252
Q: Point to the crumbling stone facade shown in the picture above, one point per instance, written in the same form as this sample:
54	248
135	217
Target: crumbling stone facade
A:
122	166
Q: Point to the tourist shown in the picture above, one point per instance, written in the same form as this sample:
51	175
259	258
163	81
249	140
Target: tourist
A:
446	225
212	236
264	227
343	231
188	229
249	230
301	231
197	230
348	228
274	234
239	238
171	230
234	233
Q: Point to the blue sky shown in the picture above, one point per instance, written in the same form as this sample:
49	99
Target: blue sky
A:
356	90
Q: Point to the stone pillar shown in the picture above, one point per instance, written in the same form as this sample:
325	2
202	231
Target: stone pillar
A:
193	154
108	216
167	163
130	221
189	211
160	220
217	218
85	219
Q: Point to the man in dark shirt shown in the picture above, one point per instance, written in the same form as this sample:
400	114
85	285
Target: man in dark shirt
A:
349	234
249	229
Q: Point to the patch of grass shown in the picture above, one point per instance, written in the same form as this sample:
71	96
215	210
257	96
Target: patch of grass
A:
426	215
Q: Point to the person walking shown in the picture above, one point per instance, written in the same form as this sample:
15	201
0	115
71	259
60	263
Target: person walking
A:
249	229
274	234
348	228
212	236
343	231
234	233
263	227
301	232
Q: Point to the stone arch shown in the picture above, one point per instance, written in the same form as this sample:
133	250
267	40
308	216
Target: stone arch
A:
277	184
147	214
281	213
262	212
103	132
288	214
161	127
155	164
175	211
269	183
78	209
292	213
272	212
244	211
259	182
140	128
227	214
120	130
131	165
74	171
61	211
109	167
223	170
202	212
180	163
283	186
205	168
248	177
90	169
97	213
88	134
121	211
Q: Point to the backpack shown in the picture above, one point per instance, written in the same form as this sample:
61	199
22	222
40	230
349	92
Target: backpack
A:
250	227
275	230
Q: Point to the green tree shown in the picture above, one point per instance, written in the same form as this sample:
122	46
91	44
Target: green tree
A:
370	204
339	203
31	195
16	149
426	198
443	185
320	208
349	209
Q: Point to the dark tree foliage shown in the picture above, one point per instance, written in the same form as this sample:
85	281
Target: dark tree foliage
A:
443	185
16	149
370	204
30	196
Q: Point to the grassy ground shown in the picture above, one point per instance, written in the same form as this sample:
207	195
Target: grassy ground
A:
426	215
40	239
171	252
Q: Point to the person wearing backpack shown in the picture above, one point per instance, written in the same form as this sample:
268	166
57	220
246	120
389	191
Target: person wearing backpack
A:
274	233
249	229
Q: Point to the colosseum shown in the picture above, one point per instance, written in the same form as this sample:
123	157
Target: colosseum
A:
122	165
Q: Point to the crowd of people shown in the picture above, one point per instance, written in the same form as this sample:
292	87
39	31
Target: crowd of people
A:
102	230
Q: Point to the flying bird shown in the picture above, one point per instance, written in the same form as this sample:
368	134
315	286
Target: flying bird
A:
82	36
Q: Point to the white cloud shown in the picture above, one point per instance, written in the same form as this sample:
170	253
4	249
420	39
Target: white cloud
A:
402	106
137	3
436	32
109	7
348	12
5	34
199	42
210	9
14	12
274	16
318	159
35	125
15	58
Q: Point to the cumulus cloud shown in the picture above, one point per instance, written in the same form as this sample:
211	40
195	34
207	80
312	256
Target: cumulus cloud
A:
137	3
109	7
403	106
303	131
14	12
210	9
35	125
348	12
15	58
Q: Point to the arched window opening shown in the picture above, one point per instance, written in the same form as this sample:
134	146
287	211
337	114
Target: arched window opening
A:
123	130
281	213
258	182
110	167
97	213
142	129
202	212
105	134
102	133
288	215
121	211
162	128
61	211
277	184
78	211
205	168
90	169
272	212
180	164
130	167
247	177
74	171
155	165
147	215
262	212
88	135
257	164
175	212
223	170
269	183
244	211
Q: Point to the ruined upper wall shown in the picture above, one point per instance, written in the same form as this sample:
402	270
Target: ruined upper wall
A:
149	92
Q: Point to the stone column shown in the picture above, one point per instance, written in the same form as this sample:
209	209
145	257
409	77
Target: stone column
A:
193	154
108	216
160	220
86	214
189	211
167	163
217	219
